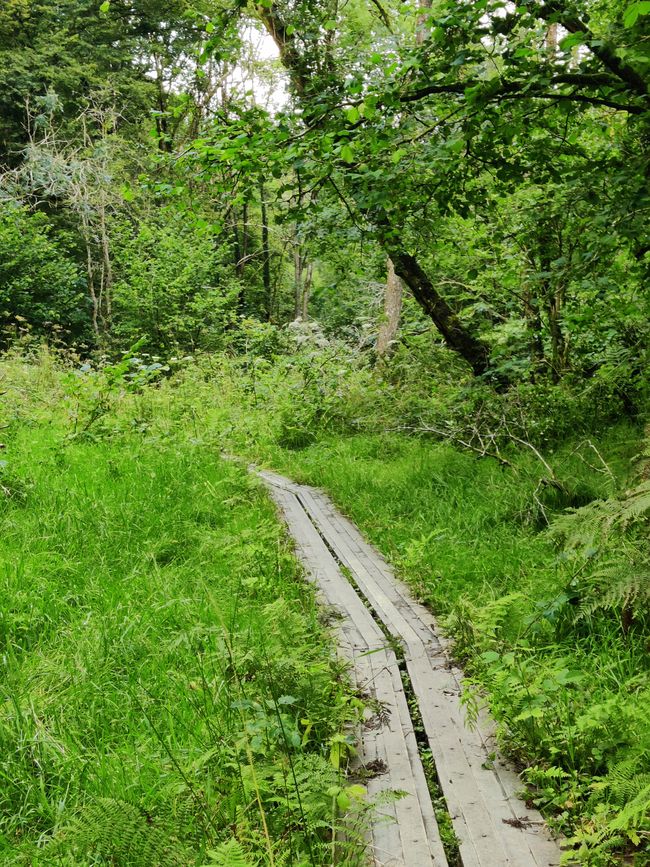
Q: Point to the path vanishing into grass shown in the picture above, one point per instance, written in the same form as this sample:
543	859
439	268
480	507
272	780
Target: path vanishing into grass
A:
400	663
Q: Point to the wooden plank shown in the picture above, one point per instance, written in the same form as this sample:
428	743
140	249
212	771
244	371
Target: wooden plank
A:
501	785
405	841
482	800
407	834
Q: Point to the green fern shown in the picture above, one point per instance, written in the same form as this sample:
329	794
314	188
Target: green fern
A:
627	779
122	834
629	785
612	533
634	819
228	854
616	586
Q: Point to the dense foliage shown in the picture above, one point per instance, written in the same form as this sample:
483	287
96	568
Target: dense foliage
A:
168	694
295	226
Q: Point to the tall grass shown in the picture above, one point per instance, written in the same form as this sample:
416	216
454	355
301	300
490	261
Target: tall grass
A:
167	692
571	695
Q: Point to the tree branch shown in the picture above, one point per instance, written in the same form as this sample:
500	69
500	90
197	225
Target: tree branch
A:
554	10
519	89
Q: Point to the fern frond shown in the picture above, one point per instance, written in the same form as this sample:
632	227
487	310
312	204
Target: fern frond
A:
635	815
627	779
228	854
121	833
616	587
635	505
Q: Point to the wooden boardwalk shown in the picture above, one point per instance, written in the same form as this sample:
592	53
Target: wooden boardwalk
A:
493	826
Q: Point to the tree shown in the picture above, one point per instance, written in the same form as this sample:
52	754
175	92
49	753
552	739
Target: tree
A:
41	286
409	141
305	67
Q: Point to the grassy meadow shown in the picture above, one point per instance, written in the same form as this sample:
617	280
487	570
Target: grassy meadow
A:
167	692
168	688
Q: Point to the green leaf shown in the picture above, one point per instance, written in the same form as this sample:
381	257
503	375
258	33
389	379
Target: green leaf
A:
367	109
330	24
209	27
352	114
347	153
634	10
343	801
106	5
572	40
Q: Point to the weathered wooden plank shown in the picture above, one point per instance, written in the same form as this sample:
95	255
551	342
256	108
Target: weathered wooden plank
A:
409	835
413	839
481	795
479	743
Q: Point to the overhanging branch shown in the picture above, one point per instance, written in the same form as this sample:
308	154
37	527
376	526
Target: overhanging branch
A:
523	90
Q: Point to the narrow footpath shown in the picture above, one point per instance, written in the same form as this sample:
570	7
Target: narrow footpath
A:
380	624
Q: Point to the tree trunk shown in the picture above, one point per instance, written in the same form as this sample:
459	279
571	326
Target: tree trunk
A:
244	240
392	311
306	291
558	341
474	351
533	319
422	30
297	283
553	299
303	274
107	268
392	307
551	40
266	256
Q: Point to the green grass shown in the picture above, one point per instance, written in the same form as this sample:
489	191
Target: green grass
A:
156	616
166	687
571	696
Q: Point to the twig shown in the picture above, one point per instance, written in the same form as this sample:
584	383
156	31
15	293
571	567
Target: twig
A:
538	455
605	469
452	436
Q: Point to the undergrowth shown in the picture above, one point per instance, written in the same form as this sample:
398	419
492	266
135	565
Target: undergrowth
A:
168	694
524	530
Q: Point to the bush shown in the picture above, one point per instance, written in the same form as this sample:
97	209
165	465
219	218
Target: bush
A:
171	288
41	287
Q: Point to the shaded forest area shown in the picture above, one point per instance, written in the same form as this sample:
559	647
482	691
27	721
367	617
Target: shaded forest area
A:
397	248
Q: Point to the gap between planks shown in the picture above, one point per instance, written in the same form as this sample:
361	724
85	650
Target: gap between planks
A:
493	826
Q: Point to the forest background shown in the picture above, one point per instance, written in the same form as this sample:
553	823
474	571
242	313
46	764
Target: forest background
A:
399	249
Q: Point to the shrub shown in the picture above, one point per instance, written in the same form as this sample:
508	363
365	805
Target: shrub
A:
41	287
